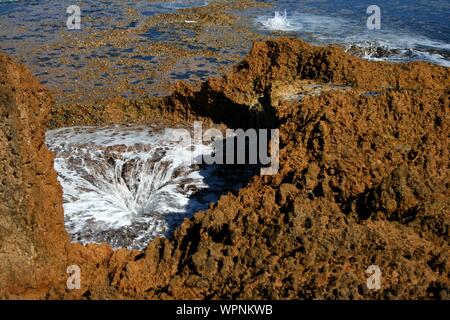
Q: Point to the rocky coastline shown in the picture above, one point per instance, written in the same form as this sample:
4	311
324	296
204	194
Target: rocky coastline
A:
363	180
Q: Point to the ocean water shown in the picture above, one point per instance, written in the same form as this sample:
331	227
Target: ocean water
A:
410	30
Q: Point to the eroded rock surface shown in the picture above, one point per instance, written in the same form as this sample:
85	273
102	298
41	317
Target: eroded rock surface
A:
363	180
32	235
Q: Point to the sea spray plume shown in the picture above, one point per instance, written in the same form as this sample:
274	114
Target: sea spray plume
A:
278	22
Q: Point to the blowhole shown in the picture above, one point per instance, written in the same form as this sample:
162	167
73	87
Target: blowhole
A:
127	184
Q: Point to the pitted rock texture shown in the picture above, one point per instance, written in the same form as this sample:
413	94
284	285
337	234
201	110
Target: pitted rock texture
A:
363	180
31	218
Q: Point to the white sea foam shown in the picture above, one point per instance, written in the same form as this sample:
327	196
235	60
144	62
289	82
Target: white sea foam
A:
398	47
305	23
128	184
278	22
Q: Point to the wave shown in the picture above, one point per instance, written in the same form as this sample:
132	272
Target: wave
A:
383	45
398	48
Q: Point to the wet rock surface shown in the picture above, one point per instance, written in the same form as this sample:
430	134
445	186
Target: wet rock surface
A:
363	180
